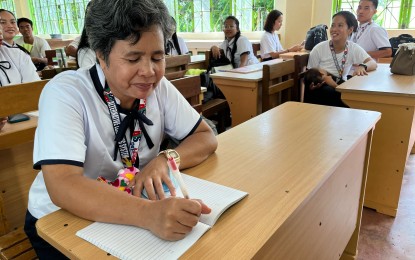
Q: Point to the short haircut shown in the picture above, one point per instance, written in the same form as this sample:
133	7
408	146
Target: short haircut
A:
109	21
350	19
4	10
231	17
270	21
24	20
374	2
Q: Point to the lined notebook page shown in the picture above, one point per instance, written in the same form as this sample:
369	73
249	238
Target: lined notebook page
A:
218	197
128	242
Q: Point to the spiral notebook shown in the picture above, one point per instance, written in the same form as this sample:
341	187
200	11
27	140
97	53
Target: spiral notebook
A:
128	242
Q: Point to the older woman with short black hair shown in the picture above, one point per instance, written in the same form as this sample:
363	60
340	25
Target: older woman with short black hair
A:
123	98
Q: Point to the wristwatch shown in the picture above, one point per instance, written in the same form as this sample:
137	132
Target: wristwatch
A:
171	153
363	65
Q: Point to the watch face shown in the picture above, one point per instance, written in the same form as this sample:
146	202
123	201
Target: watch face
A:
173	154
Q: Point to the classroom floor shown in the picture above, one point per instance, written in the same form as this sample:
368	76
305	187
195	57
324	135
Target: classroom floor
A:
383	237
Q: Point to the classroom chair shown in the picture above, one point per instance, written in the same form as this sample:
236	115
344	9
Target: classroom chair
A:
301	62
277	78
16	173
176	66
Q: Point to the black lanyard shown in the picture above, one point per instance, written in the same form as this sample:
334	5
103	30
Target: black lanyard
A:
129	155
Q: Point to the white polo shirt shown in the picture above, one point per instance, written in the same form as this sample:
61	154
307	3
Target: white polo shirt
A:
321	57
373	37
75	128
21	67
270	43
39	46
243	46
182	46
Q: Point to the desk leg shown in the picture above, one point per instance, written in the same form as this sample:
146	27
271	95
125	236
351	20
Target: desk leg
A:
392	142
242	97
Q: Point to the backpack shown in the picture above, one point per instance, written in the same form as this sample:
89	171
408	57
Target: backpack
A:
395	41
315	35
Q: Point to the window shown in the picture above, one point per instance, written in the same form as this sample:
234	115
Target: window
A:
208	15
391	14
8	5
57	16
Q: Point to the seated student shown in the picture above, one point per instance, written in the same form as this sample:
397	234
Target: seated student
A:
33	44
176	45
337	56
270	44
237	48
126	98
15	67
370	36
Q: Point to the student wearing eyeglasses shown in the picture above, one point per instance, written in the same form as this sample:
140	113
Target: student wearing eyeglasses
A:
237	48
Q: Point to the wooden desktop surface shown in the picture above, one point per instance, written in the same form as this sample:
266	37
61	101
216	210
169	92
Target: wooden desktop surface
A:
304	167
18	133
242	91
394	96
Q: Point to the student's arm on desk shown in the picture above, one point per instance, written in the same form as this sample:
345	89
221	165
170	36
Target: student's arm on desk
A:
383	53
360	70
170	219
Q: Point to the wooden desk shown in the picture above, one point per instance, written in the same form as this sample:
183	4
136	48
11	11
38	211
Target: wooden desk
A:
242	91
304	167
393	96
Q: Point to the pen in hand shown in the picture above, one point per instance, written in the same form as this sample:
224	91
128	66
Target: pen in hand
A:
175	171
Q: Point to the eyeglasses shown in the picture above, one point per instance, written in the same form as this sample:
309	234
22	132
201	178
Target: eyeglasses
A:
228	27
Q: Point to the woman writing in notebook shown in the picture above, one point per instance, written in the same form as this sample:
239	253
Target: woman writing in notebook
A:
271	47
339	57
124	97
237	48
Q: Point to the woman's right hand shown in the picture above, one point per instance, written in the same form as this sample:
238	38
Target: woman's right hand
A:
3	121
215	52
172	218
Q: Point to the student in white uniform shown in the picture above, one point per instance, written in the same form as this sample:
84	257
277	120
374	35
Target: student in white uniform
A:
35	45
237	48
370	36
176	45
271	47
123	98
337	56
15	67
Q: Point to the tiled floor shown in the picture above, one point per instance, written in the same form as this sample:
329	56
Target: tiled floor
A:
383	237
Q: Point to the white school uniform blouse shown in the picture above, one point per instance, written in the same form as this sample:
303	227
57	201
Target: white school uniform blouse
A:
373	37
270	43
243	46
75	128
16	67
182	46
321	57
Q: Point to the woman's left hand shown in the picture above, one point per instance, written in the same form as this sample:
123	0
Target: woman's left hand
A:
359	71
152	178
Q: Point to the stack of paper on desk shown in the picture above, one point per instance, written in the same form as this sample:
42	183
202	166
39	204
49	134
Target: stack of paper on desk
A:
128	242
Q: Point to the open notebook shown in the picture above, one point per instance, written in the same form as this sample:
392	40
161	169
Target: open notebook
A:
128	242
